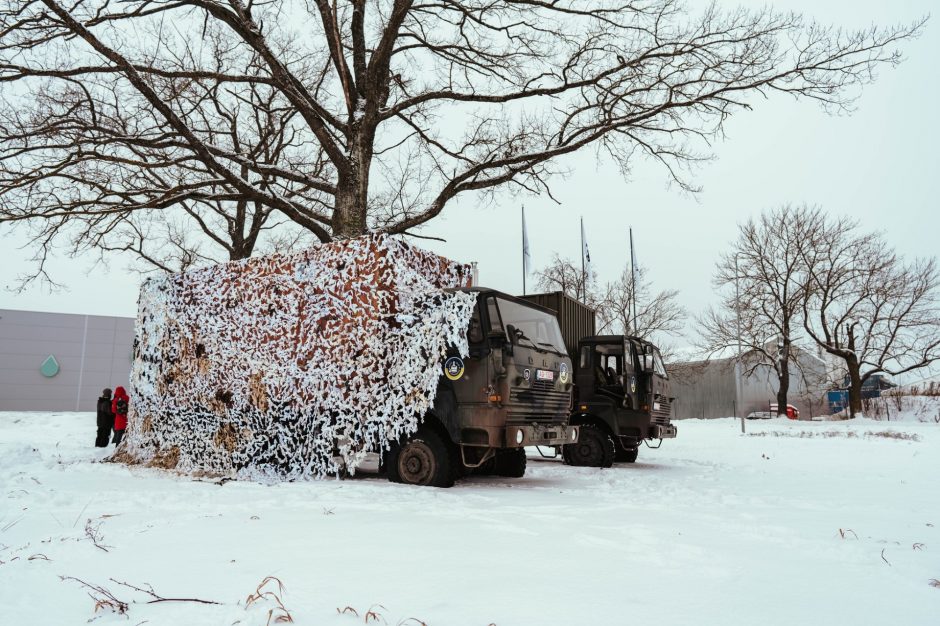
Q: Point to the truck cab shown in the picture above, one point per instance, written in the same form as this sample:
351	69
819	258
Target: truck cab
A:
513	389
622	397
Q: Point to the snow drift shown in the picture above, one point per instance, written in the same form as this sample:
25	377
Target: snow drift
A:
279	366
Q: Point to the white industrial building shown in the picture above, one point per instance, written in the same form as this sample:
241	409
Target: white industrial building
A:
707	388
61	361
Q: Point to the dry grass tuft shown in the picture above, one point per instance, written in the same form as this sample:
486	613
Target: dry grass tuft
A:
103	598
934	583
279	614
93	534
893	434
845	532
374	615
838	434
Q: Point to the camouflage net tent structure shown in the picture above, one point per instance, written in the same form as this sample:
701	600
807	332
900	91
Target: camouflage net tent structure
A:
278	366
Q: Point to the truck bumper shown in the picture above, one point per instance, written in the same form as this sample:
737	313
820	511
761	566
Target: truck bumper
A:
540	435
658	431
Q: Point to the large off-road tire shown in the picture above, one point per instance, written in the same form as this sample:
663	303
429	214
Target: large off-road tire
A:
511	463
626	456
566	455
595	448
486	468
423	459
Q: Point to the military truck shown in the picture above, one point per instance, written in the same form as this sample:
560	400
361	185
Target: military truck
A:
513	390
621	395
337	357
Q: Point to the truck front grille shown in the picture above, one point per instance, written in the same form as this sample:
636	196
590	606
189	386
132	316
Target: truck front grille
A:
661	415
540	401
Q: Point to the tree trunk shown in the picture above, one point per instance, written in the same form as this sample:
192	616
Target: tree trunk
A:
855	386
352	190
784	380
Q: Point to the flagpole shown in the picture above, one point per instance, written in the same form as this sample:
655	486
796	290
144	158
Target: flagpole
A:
633	274
523	250
583	279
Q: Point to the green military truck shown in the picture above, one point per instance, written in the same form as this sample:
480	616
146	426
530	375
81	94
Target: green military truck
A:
513	390
621	396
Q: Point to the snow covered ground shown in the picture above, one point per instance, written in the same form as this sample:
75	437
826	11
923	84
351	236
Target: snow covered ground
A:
794	523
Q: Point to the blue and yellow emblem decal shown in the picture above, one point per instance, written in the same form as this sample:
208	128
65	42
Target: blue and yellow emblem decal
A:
453	368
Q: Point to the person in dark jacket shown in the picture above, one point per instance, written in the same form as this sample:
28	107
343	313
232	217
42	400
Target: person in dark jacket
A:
119	406
105	419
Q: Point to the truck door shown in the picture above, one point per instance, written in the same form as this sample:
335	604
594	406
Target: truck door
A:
474	375
631	383
584	378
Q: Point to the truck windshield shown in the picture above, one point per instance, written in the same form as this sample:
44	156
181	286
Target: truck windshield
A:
658	364
539	327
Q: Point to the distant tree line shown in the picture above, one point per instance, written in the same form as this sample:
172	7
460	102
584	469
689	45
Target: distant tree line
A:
621	307
796	274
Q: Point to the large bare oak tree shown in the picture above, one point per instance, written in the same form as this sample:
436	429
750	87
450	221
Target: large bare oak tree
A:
376	113
761	279
868	307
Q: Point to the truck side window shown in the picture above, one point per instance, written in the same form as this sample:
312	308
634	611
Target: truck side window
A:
493	311
475	331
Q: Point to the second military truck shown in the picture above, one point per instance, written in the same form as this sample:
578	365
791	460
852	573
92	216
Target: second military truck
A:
621	396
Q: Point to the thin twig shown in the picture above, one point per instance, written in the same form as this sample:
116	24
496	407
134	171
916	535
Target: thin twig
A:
158	598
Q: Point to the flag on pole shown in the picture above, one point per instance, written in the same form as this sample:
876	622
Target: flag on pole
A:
585	257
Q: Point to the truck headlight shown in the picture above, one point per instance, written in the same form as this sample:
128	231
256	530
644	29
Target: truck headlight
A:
520	436
574	434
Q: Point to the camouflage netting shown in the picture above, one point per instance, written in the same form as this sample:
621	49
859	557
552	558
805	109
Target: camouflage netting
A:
273	366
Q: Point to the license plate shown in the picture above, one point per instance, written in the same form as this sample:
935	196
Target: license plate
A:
544	375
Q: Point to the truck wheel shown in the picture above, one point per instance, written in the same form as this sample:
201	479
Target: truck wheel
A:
595	448
566	454
423	459
511	463
627	456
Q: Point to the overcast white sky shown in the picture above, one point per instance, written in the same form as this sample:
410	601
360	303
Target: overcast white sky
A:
880	165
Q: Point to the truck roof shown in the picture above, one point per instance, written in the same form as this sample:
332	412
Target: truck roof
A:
501	294
613	339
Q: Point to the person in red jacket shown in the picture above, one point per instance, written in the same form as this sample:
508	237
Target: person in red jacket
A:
119	406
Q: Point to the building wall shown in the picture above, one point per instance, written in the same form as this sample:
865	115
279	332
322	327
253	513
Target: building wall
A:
93	352
702	390
705	390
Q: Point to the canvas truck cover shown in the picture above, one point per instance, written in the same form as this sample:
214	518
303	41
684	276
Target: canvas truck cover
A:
272	366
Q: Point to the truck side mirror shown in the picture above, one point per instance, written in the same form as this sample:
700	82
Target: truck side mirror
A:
647	359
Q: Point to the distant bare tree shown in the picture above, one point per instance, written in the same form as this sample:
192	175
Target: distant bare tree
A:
761	278
561	274
865	305
390	109
659	316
